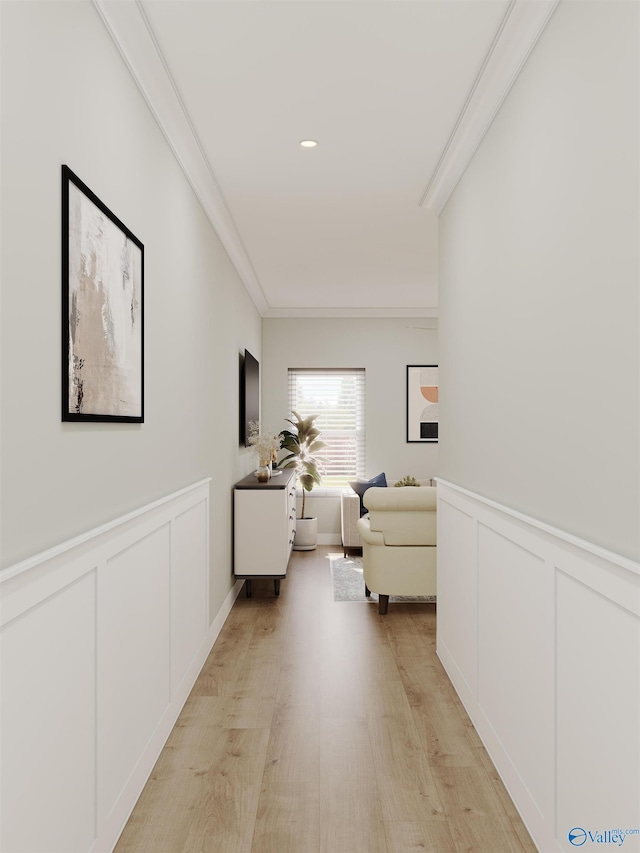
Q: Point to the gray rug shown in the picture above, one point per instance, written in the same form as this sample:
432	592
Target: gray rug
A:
348	582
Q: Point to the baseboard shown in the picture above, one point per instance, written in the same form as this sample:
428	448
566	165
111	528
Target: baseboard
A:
329	539
140	775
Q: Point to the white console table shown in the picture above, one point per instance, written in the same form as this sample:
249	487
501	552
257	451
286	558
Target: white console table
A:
264	526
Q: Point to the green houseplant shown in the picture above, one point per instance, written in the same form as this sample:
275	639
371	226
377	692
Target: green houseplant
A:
408	481
302	447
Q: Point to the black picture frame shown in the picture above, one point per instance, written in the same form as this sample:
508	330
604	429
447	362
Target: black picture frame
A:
102	311
422	403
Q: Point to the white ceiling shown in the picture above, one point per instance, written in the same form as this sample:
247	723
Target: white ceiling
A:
398	94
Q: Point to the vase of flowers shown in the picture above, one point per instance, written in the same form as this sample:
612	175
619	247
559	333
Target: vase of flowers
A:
263	473
266	446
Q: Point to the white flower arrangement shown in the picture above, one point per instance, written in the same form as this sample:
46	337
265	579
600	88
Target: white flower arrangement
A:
264	442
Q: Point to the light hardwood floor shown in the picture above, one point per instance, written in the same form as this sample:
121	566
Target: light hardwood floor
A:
321	727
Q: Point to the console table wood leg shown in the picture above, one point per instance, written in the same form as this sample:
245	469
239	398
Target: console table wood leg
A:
247	586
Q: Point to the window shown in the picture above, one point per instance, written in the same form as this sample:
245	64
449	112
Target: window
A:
337	397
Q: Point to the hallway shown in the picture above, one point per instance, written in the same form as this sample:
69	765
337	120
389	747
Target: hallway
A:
320	726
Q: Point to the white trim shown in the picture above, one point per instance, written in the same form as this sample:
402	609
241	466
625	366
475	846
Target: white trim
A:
576	541
329	539
63	547
130	30
352	313
521	28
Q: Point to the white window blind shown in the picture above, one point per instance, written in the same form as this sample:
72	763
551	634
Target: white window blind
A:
337	397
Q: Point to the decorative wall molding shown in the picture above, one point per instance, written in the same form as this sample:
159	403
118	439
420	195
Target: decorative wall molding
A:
132	34
351	313
521	28
102	640
547	529
130	30
539	632
58	550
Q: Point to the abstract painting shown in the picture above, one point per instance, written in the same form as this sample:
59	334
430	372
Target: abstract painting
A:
422	402
102	311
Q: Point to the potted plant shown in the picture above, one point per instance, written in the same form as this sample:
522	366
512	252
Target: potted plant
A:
302	447
407	481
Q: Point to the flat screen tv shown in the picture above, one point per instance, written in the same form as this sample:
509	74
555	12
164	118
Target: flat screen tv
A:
249	395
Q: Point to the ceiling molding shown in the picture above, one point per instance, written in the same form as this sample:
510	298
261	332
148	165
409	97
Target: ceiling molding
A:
350	313
521	28
130	30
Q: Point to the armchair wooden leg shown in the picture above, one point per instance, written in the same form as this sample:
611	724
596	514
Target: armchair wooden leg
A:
383	604
367	591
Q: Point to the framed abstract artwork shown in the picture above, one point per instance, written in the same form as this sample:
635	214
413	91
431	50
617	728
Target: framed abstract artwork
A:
102	311
422	402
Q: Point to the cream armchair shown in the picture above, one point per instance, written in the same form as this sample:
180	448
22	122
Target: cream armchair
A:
399	542
350	513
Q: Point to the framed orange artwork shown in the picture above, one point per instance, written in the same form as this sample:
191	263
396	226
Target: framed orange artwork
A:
422	402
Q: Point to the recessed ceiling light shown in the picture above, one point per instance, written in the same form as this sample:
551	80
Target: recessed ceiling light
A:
308	143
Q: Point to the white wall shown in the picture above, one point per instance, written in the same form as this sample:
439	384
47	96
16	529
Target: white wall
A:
540	635
539	288
67	97
130	613
538	514
384	347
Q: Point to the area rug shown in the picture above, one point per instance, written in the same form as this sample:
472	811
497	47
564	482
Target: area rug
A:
348	582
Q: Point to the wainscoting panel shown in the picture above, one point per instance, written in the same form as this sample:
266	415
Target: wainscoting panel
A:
515	636
598	711
134	683
48	723
189	589
552	681
102	638
458	592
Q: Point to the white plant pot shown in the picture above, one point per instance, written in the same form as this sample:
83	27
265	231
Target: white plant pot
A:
306	537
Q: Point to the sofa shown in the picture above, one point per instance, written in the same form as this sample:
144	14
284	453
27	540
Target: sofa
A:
399	542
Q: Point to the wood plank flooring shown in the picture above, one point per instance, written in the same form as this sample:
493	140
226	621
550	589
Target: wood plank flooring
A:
321	727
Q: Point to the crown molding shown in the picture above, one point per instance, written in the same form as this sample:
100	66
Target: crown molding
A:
127	25
132	34
350	313
521	28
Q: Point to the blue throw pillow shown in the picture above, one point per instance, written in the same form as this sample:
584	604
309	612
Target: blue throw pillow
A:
361	486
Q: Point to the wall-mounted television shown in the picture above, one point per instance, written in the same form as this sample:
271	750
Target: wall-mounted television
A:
249	395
